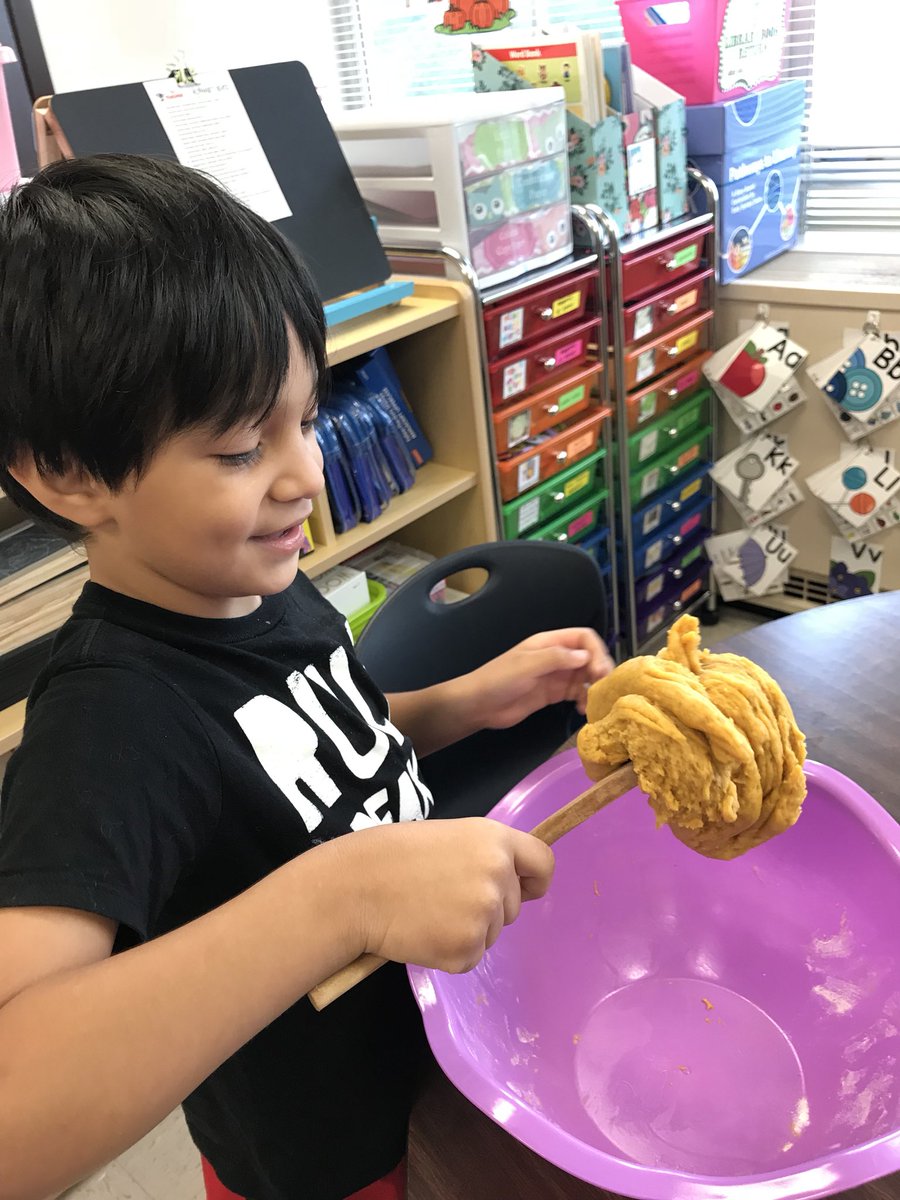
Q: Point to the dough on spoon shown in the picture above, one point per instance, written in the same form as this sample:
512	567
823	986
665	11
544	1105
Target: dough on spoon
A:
712	740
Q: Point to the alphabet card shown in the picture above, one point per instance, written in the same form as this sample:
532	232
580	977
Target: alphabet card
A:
863	385
752	474
754	370
860	488
854	569
750	563
747	420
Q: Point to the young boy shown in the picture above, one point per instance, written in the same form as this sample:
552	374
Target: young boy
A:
173	877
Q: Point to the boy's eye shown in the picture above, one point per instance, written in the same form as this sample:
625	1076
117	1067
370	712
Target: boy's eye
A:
244	459
309	424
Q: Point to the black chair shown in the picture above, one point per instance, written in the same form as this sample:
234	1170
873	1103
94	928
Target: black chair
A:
413	642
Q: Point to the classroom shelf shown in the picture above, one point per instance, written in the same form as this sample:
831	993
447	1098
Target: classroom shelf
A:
435	485
388	325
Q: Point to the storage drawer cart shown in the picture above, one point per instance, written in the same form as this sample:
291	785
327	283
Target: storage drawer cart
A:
546	394
661	296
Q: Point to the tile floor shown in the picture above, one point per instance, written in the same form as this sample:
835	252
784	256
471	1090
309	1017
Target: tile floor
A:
164	1165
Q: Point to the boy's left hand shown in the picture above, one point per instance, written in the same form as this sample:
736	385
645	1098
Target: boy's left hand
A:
544	669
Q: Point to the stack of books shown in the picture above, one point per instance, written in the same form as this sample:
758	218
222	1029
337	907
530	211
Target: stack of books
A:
41	577
596	78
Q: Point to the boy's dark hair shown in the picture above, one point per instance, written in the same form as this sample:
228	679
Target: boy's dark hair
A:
137	300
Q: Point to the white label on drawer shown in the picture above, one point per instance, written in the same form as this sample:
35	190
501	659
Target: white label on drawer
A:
514	378
650	482
647	445
511	324
647	407
654	553
643	321
518	428
529	472
645	365
654	587
656	619
652	518
529	514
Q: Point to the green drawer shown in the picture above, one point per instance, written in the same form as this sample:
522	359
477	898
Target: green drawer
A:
675	425
575	524
552	497
665	468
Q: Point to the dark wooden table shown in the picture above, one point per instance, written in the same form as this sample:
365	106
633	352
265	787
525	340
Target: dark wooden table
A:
840	668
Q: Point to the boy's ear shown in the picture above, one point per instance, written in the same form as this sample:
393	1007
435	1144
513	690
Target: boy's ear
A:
72	493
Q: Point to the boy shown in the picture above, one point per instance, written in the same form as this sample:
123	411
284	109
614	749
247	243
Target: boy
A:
173	877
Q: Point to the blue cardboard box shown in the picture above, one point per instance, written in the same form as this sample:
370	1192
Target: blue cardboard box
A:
730	127
758	206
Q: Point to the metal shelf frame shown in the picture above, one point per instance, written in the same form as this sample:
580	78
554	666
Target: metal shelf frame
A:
612	250
591	237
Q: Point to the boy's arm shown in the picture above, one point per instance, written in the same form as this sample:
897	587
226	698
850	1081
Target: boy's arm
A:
544	669
94	1050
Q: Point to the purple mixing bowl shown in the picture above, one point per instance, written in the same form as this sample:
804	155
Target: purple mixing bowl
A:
668	1026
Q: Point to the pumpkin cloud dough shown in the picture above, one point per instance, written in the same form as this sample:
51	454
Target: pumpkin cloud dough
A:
712	740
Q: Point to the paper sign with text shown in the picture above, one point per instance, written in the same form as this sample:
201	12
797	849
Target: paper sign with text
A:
854	569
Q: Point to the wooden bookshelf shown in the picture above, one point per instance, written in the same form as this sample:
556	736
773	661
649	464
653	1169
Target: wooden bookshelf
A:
434	346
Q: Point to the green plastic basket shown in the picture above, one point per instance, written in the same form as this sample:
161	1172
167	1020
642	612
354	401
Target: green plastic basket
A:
360	619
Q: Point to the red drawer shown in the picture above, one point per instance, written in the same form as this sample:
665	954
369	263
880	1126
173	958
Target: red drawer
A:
548	453
659	266
536	313
657	398
654	314
514	376
566	398
649	359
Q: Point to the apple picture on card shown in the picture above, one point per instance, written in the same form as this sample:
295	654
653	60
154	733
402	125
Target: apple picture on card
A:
746	373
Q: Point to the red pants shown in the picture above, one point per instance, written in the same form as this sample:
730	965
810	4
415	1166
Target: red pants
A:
392	1187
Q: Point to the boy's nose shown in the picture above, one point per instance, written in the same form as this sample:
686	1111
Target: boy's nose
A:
300	474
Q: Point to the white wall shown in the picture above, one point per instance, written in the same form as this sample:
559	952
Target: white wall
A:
99	43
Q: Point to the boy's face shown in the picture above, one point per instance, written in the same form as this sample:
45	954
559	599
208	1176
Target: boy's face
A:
215	521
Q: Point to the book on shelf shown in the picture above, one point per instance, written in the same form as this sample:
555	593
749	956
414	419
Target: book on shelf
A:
560	57
29	556
40	610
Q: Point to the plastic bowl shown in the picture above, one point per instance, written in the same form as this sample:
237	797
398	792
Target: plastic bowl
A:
667	1026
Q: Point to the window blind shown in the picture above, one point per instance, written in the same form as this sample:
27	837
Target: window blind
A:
851	153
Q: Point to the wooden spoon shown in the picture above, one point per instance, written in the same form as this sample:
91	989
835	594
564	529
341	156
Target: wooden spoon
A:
549	831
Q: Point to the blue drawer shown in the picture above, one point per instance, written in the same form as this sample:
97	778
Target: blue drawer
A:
659	546
668	504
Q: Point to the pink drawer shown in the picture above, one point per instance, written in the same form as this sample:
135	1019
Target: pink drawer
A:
565	399
548	453
534	314
531	369
657	398
649	359
655	314
662	264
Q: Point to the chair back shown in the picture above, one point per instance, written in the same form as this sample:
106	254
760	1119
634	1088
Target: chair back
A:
413	642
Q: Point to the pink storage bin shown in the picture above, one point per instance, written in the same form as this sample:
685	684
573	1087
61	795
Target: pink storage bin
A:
9	159
707	50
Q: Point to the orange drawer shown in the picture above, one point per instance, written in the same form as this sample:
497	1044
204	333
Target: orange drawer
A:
660	265
549	452
533	367
656	399
536	313
649	359
654	314
565	399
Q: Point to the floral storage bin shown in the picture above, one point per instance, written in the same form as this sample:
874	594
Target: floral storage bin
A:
484	174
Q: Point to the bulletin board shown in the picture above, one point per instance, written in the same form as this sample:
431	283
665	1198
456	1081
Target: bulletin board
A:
329	223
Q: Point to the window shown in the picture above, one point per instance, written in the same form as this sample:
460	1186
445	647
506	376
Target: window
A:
387	51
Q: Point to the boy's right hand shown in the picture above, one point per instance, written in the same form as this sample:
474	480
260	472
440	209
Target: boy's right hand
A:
438	893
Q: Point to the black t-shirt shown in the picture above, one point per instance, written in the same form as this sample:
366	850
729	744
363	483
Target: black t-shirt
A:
170	762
